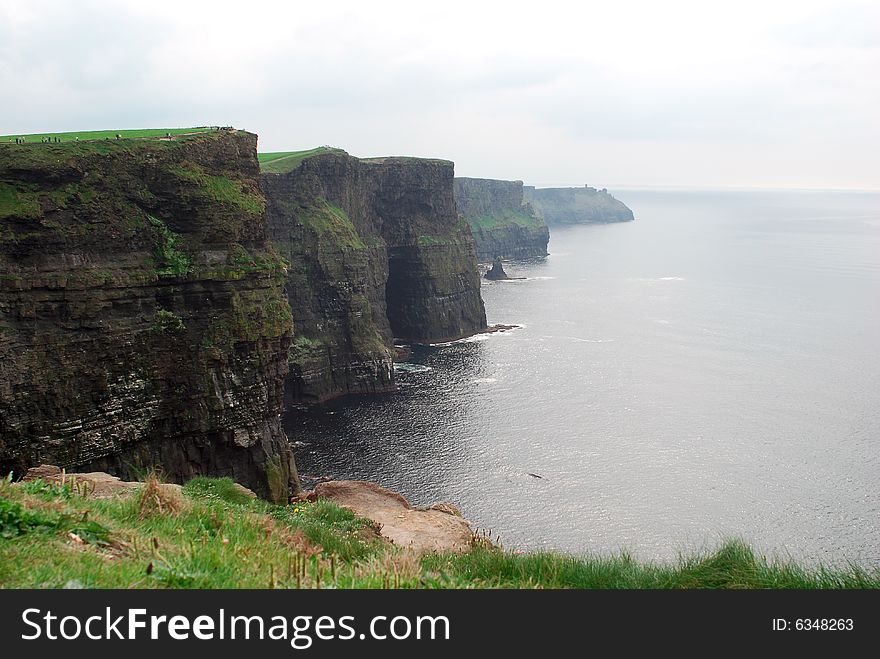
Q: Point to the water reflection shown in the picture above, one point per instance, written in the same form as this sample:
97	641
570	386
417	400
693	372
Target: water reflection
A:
707	371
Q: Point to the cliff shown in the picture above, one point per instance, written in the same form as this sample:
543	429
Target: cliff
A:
377	252
336	281
502	223
142	318
577	205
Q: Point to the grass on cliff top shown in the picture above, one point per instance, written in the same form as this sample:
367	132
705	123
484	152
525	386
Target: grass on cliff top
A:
137	133
504	218
281	162
213	536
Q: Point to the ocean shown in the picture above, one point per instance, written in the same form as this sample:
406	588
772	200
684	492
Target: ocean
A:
709	371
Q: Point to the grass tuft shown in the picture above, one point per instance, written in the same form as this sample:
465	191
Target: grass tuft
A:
154	499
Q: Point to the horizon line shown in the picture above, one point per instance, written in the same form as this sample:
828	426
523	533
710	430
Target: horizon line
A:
707	188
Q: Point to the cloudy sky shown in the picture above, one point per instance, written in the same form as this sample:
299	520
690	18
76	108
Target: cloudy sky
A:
618	93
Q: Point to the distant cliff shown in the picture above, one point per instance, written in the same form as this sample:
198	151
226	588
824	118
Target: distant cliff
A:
376	251
142	318
502	223
576	205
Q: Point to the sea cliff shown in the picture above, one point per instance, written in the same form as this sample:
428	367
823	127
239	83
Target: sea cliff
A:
142	318
577	205
503	224
377	253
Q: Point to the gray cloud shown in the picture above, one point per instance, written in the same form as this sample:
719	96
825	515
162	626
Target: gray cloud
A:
629	93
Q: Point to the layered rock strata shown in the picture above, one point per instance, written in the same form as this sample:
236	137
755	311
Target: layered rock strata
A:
377	253
503	224
142	317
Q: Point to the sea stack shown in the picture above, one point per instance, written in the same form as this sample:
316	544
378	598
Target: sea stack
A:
496	272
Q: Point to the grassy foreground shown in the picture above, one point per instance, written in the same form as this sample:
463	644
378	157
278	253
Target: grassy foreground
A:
213	536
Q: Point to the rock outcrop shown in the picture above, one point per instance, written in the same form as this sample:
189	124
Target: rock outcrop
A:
377	252
496	272
577	205
142	318
503	224
438	528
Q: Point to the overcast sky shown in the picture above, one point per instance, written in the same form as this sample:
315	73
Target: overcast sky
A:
618	93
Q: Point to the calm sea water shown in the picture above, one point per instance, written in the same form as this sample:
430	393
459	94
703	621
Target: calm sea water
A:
711	370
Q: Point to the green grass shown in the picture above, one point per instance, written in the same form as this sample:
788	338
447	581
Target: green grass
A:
52	536
25	200
170	256
138	133
508	216
329	221
18	203
221	189
169	322
282	162
303	349
733	565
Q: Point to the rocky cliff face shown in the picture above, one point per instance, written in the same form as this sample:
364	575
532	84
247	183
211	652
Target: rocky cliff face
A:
502	223
336	280
377	251
577	205
433	291
142	318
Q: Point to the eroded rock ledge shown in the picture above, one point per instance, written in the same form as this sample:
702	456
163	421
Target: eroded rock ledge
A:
438	528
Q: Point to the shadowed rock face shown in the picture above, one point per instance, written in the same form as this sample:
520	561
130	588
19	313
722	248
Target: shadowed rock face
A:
376	252
142	318
502	223
433	291
576	205
319	222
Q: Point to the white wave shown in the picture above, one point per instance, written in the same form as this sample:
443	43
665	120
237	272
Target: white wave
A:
406	367
476	338
484	380
519	280
656	279
579	339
